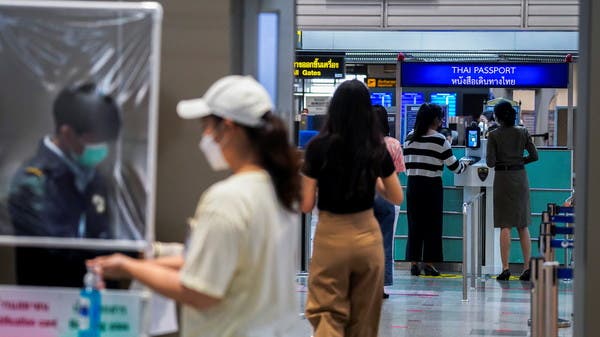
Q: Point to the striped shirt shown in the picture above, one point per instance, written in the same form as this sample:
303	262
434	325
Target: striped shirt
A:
427	155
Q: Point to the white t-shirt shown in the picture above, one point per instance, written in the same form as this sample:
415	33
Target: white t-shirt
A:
242	249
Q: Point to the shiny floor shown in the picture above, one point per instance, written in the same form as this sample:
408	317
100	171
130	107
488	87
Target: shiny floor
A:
431	307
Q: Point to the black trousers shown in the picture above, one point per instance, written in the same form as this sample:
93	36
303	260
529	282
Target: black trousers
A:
424	202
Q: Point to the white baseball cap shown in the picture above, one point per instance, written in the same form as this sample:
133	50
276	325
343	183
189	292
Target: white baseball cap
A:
239	98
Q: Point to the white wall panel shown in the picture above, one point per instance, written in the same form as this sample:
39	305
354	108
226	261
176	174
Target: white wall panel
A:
437	14
337	22
553	14
340	10
557	22
452	22
454	10
523	40
455	14
339	14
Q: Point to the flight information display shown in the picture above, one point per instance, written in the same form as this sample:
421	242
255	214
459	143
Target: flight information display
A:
381	98
445	98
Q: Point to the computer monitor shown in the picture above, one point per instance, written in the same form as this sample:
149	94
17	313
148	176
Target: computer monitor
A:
445	98
473	137
382	98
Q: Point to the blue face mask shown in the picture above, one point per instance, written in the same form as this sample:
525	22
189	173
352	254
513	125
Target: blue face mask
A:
92	155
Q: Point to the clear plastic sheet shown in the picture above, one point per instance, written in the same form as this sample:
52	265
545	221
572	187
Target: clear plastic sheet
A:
45	46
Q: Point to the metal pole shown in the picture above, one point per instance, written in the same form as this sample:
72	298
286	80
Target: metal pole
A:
473	240
470	242
481	231
537	296
552	209
570	115
569	253
399	100
464	258
546	237
566	252
307	241
550	299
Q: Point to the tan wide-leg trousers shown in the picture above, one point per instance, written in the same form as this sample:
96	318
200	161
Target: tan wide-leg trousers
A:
345	283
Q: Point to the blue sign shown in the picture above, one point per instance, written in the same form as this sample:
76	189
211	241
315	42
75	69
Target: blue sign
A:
489	75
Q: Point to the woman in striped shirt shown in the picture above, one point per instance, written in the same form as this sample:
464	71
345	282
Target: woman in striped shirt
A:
426	151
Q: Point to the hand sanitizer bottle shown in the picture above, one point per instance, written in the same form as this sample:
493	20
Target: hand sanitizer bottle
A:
89	306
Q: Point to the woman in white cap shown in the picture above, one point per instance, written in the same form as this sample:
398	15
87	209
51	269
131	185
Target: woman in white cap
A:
237	275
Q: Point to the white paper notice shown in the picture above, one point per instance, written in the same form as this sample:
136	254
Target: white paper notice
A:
163	313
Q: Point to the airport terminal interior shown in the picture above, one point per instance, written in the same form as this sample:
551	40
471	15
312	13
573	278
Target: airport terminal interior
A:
465	56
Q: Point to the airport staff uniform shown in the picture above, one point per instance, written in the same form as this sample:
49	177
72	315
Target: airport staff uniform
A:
50	197
505	153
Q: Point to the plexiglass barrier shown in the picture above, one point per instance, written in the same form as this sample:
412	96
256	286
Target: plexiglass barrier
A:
45	200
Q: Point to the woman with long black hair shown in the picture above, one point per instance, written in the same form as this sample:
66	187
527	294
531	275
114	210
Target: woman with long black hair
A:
344	164
426	151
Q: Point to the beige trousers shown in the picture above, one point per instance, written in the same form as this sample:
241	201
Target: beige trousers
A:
345	284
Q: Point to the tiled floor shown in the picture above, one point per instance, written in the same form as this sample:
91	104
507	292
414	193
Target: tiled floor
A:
432	307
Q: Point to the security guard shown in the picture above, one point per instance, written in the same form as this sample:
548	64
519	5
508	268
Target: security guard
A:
60	193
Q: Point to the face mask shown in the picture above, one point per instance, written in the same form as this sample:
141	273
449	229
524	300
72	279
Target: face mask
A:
212	152
92	155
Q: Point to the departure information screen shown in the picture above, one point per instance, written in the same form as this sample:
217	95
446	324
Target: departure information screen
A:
447	99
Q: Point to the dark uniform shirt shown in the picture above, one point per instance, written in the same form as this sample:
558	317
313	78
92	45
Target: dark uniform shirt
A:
46	199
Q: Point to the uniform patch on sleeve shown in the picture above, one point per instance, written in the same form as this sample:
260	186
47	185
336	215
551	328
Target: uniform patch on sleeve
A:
35	171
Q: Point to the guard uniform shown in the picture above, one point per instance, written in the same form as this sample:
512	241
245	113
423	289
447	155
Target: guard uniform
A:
47	198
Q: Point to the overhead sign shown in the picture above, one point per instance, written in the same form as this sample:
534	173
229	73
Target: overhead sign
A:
319	65
380	82
489	75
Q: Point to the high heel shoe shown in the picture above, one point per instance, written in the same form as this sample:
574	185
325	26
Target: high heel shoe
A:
431	271
504	276
414	270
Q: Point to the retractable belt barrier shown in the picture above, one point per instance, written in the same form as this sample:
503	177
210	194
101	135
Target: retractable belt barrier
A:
562	218
563	230
545	272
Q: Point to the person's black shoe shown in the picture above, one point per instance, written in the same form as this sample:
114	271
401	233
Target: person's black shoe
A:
431	271
526	275
504	275
414	270
386	296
